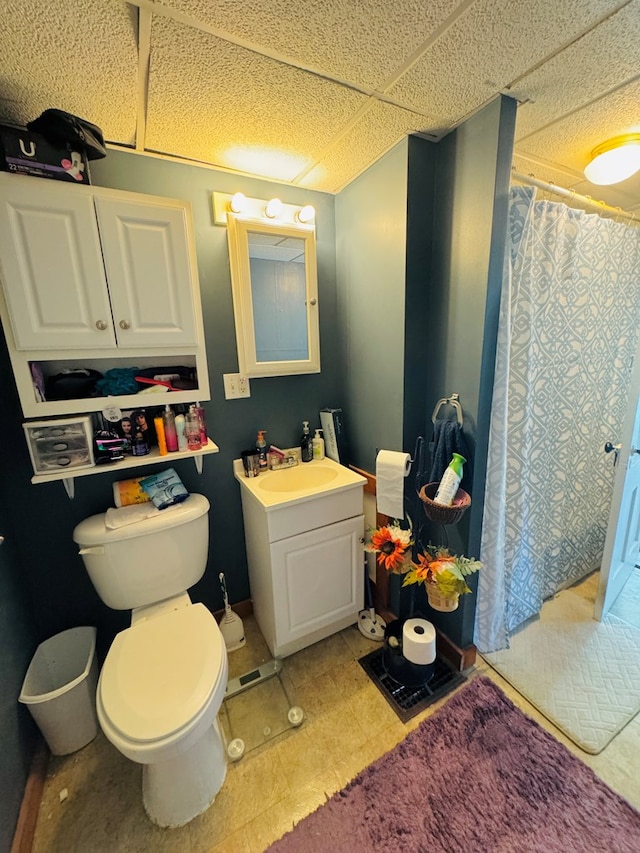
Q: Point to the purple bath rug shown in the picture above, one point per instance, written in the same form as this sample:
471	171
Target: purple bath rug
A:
478	776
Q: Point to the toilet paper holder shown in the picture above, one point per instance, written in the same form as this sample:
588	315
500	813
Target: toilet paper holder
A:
417	452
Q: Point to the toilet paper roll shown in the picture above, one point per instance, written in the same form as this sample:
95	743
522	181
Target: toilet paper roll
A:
391	469
419	641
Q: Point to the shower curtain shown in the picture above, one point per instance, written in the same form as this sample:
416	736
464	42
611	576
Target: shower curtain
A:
569	318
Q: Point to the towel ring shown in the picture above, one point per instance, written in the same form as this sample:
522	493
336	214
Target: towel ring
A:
454	401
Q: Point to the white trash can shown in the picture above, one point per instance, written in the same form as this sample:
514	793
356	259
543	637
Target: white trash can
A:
60	689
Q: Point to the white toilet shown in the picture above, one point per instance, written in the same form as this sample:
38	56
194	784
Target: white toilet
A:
164	678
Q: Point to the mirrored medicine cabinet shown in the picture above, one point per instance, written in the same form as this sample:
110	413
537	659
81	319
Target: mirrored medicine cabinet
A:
275	295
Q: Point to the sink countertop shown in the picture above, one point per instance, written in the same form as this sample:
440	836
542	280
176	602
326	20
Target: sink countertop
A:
277	489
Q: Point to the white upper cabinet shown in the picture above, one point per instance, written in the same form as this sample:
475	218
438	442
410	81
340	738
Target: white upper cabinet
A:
52	267
85	268
147	260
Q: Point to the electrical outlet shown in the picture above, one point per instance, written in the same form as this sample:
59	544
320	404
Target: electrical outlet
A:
236	386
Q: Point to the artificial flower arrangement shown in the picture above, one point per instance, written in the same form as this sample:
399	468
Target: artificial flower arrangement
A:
439	566
436	567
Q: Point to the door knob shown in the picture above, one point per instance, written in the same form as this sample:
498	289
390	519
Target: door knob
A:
124	325
101	325
615	448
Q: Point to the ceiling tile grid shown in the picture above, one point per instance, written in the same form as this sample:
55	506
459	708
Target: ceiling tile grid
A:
596	63
207	96
358	42
493	44
378	130
81	57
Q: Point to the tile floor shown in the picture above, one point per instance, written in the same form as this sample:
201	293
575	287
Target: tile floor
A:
286	772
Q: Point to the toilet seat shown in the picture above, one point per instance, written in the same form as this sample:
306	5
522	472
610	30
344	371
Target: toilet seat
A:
160	674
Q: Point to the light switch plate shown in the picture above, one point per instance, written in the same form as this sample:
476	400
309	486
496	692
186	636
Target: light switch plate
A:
236	386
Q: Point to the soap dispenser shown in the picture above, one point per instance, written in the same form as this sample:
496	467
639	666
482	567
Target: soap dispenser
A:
318	445
306	447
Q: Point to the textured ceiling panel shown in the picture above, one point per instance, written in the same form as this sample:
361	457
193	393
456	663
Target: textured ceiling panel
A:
371	136
489	47
359	42
571	140
579	74
213	101
81	57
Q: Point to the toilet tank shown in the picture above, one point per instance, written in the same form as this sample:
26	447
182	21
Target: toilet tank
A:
147	561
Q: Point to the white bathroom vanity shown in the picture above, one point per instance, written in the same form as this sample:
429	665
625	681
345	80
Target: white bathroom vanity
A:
304	531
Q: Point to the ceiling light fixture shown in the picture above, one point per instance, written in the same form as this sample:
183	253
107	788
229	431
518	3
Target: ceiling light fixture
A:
274	208
614	160
306	214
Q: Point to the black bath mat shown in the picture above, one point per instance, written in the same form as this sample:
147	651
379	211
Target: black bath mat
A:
409	701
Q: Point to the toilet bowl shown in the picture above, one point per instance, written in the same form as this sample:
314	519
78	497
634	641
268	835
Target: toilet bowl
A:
164	677
158	697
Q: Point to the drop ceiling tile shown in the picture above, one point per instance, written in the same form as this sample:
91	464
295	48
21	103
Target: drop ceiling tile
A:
359	42
489	47
80	57
378	130
213	101
578	74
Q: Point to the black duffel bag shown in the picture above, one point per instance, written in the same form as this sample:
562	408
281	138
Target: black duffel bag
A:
60	128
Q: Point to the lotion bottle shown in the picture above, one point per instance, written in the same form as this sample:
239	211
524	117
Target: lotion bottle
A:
162	443
182	436
318	445
450	481
306	447
261	448
204	439
192	429
170	434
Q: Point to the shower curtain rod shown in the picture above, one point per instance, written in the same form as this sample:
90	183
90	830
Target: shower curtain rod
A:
571	194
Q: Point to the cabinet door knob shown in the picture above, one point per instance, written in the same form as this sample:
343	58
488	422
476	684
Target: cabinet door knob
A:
101	325
312	301
124	324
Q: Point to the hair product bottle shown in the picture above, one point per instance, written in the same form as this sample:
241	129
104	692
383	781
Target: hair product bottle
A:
318	445
162	442
450	481
261	447
170	434
306	448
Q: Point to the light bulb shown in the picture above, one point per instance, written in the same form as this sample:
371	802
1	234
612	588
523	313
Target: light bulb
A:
273	208
614	161
238	202
306	214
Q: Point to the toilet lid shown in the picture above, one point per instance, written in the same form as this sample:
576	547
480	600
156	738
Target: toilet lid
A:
160	672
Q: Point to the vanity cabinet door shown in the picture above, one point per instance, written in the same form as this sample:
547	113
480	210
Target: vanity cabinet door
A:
150	270
318	581
51	265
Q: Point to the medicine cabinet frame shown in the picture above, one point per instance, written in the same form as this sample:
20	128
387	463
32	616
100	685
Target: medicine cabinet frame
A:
238	230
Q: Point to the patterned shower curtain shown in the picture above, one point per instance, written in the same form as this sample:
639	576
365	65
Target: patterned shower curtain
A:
569	320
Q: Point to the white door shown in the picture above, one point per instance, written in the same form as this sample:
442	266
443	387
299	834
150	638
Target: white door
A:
622	544
150	272
52	266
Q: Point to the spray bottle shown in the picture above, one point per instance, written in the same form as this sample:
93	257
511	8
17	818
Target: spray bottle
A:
450	481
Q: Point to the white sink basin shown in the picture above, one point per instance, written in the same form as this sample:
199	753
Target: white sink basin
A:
297	479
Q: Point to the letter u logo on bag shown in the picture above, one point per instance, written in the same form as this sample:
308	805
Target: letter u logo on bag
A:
32	149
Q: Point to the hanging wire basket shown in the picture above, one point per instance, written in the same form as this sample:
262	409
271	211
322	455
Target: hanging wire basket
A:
443	514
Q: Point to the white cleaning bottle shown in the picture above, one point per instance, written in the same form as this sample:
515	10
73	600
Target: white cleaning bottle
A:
450	481
318	445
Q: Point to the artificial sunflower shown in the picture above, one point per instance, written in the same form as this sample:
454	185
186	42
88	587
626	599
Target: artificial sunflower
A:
392	544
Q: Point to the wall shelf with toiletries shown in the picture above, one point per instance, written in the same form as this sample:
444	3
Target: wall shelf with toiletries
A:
152	458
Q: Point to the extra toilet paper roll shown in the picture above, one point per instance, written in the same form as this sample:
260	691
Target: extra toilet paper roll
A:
419	641
391	469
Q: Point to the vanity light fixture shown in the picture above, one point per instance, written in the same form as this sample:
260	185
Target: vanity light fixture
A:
274	208
615	160
306	214
238	203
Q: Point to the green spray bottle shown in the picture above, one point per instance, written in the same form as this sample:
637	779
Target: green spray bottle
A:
450	481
